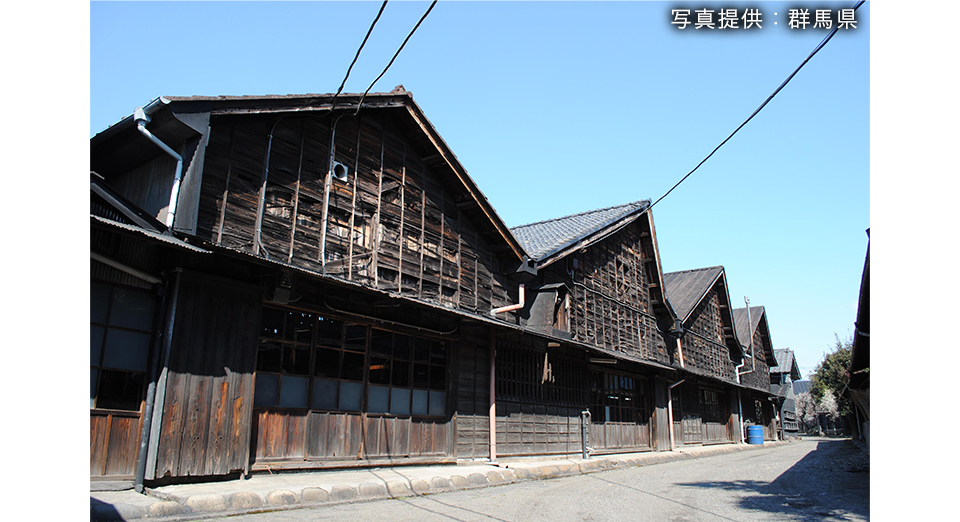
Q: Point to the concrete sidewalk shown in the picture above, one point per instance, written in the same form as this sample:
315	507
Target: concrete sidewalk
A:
296	490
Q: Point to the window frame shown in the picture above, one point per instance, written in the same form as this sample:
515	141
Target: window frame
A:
361	381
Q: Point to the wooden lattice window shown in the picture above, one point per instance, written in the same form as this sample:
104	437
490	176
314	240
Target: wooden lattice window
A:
529	375
617	398
711	407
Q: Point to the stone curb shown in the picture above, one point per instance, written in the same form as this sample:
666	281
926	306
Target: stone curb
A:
201	506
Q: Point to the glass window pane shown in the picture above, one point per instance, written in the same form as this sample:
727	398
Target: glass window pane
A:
96	344
119	390
132	309
421	351
419	402
356	338
401	374
293	392
126	350
328	363
352	366
271	323
296	360
378	399
438	378
325	394
94	373
299	327
381	343
265	393
99	303
379	370
350	395
329	332
269	354
438	353
437	403
421	376
401	347
400	401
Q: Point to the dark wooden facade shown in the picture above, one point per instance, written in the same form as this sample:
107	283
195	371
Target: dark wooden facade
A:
706	408
325	295
754	335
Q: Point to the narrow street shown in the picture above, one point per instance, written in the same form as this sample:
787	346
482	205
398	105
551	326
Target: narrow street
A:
814	479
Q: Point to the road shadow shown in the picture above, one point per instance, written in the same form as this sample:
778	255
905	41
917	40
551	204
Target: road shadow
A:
831	482
102	512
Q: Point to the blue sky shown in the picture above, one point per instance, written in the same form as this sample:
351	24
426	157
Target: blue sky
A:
556	108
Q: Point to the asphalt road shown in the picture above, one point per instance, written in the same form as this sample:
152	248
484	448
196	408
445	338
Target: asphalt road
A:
818	479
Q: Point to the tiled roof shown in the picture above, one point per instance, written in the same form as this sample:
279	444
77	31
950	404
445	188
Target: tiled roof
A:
802	387
687	287
785	363
545	238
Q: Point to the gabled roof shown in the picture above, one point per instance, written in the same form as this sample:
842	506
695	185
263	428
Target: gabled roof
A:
745	331
176	119
687	288
544	239
786	363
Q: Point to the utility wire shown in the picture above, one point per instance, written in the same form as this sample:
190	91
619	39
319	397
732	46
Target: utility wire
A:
762	105
344	82
396	54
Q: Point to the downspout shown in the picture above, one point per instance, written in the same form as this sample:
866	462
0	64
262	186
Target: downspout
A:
670	409
509	308
142	116
493	395
151	397
154	440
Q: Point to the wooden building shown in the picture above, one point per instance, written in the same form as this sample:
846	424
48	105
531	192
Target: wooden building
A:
858	389
598	293
706	408
757	401
782	377
307	282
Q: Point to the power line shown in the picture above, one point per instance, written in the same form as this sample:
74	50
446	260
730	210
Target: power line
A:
397	53
360	49
762	105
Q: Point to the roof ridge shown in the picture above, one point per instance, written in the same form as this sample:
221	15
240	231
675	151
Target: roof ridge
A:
694	269
638	203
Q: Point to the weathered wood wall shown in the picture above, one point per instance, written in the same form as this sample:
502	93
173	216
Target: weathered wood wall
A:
538	406
473	394
208	397
148	185
759	378
611	300
704	350
391	224
114	440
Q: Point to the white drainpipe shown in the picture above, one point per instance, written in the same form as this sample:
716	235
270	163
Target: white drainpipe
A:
142	117
509	308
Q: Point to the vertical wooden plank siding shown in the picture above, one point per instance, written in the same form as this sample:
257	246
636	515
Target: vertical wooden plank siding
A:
206	429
